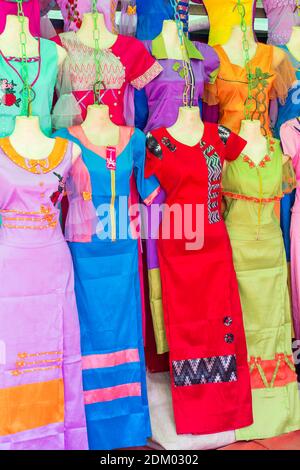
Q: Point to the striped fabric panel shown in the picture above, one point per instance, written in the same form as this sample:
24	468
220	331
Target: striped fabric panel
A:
112	393
98	361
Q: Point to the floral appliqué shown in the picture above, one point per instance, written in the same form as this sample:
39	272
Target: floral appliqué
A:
263	162
73	12
8	93
55	197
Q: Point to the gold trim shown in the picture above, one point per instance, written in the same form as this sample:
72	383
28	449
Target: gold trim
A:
38	166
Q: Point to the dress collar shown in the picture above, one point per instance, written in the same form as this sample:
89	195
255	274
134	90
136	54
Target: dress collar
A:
159	48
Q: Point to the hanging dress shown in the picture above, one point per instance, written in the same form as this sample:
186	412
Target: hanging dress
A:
109	295
230	90
223	15
31	9
119	69
73	11
250	192
42	75
282	16
41	394
208	358
290	138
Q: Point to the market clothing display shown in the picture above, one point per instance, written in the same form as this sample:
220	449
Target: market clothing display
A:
282	16
290	138
42	75
108	289
230	90
251	191
208	368
152	13
158	106
224	15
128	21
119	68
73	11
31	9
41	392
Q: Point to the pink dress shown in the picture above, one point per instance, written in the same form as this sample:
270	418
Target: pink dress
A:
73	10
31	9
282	16
41	394
290	139
120	71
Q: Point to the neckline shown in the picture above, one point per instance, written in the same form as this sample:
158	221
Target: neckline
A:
98	150
186	145
270	152
227	58
17	72
110	48
36	166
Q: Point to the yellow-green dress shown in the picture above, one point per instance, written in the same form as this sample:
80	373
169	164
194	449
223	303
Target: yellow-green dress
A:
250	192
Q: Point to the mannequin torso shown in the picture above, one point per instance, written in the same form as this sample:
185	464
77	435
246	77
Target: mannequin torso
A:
86	32
171	40
189	127
40	145
98	127
10	44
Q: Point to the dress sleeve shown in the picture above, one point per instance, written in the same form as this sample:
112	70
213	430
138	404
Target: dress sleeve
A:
290	140
148	187
82	219
233	144
211	63
285	78
142	67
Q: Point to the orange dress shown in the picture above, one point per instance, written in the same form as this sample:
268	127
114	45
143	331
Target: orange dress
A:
230	90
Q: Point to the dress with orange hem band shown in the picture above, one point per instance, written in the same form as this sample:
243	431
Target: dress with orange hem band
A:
109	290
41	394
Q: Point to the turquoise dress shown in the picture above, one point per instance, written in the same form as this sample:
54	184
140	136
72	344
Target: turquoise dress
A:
42	72
289	110
109	297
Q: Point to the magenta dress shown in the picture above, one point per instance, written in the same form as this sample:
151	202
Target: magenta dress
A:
282	16
41	396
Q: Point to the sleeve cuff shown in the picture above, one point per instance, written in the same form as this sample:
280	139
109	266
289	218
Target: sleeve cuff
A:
147	77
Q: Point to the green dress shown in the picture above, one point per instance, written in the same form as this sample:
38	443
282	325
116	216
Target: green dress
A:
251	192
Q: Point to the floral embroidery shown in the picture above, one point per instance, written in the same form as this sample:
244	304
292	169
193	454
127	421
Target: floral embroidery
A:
8	93
207	370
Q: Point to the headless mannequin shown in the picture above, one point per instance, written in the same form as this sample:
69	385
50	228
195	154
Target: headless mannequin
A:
171	40
98	127
10	44
40	146
257	146
86	32
235	52
294	43
189	127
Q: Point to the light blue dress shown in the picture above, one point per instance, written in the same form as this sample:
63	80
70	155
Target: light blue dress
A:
109	299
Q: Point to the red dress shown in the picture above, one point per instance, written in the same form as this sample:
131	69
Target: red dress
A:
208	357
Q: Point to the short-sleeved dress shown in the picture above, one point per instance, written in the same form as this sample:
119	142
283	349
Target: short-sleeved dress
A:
41	394
230	90
251	191
208	358
290	138
109	291
31	9
282	16
42	72
224	15
126	63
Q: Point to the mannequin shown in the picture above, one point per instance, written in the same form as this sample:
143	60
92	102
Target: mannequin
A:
98	127
257	146
86	32
171	40
40	145
188	128
294	43
236	54
11	47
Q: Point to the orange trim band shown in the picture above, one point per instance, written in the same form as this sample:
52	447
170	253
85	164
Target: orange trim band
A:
251	198
31	406
262	372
